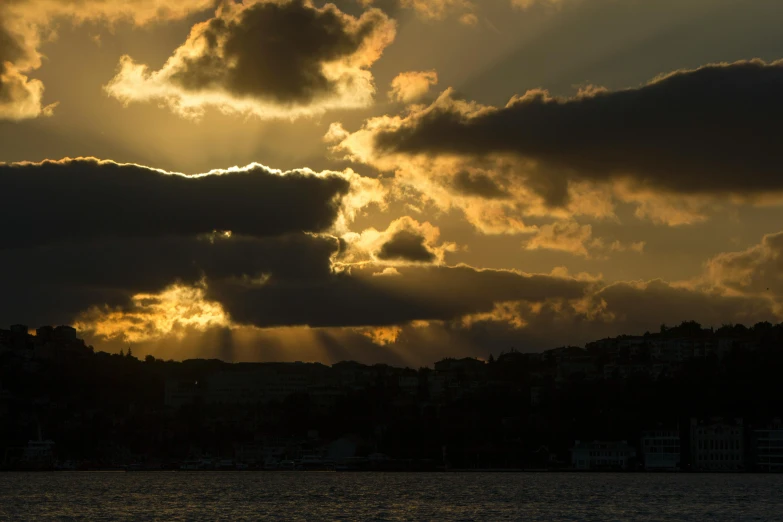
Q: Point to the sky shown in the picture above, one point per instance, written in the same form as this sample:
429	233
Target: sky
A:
388	181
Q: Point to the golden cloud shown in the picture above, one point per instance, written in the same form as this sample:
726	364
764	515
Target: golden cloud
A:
571	237
25	23
170	313
438	9
409	86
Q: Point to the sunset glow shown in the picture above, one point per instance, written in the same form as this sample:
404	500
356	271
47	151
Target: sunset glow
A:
390	180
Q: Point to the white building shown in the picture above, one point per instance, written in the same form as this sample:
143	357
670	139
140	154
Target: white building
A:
717	445
769	448
602	455
661	450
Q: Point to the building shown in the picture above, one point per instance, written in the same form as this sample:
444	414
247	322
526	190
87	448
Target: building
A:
535	395
576	365
768	448
661	450
44	334
409	383
180	393
6	338
353	375
603	455
459	370
232	387
324	398
65	333
717	445
19	336
436	385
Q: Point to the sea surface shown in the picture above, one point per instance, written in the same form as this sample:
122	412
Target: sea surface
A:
388	496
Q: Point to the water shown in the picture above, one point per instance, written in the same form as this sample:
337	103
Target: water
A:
393	496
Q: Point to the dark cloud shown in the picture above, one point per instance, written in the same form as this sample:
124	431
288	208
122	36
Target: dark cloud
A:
272	59
637	307
477	184
363	298
85	199
621	308
56	282
275	51
406	246
715	129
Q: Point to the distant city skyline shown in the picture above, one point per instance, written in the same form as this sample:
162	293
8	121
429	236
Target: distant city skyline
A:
682	399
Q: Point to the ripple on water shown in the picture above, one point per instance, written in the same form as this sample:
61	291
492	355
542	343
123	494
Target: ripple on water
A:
389	497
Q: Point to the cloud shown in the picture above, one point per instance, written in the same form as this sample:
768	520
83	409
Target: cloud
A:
496	195
478	184
138	288
640	306
270	59
139	12
172	312
20	96
405	241
406	246
409	86
571	237
92	233
432	9
359	298
59	281
691	139
755	272
25	23
82	199
420	312
565	236
528	325
708	130
96	233
622	308
527	4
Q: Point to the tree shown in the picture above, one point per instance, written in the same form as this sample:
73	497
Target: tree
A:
762	326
